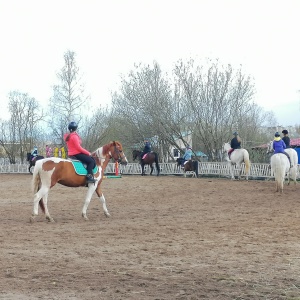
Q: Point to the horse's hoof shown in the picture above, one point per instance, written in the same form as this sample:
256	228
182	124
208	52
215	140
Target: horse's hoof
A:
85	217
50	219
31	219
107	214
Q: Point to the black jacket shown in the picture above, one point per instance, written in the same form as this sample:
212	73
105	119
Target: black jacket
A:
235	144
286	140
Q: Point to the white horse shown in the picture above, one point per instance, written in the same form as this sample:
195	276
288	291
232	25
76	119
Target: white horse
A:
237	157
292	172
279	167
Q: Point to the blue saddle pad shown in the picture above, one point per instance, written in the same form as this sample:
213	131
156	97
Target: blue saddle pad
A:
80	169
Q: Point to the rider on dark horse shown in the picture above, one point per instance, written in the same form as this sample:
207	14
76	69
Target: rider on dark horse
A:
147	148
235	143
187	155
34	153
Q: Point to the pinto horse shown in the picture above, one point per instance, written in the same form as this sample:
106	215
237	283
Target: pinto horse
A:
189	165
237	157
151	157
49	171
32	161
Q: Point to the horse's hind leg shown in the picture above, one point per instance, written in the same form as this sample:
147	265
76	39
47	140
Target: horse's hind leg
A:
41	195
48	217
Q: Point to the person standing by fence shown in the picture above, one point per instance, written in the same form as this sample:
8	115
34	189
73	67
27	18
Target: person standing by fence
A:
48	151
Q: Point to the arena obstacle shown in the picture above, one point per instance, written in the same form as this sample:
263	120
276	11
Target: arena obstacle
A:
116	172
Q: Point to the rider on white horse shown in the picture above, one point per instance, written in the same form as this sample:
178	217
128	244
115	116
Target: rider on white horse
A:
235	143
279	146
286	138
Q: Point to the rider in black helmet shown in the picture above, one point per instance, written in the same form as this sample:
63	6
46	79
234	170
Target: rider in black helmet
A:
235	143
73	141
286	138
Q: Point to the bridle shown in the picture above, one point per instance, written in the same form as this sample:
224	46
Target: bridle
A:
118	152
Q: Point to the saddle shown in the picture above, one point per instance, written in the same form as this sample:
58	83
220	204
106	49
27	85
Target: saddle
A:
80	168
145	155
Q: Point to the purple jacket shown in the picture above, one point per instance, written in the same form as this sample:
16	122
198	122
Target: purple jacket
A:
279	146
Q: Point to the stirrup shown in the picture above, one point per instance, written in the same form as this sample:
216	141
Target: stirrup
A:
90	179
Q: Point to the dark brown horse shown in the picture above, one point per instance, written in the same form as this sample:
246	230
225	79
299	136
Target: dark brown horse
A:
32	160
190	165
49	171
151	157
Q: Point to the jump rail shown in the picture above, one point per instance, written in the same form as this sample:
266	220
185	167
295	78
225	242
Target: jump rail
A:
221	169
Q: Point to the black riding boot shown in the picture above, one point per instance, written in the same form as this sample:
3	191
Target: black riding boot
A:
90	178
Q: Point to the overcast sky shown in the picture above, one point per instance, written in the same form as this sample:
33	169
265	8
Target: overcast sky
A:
109	36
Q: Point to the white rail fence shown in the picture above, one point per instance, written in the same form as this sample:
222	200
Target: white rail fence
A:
215	169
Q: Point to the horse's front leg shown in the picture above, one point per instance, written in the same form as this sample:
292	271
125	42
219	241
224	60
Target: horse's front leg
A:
231	168
143	169
41	197
151	166
102	199
88	198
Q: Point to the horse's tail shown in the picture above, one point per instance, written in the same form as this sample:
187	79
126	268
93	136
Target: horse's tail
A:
247	162
36	180
278	165
156	163
195	164
36	184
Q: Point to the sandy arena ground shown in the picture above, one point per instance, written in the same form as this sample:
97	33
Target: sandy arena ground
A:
167	238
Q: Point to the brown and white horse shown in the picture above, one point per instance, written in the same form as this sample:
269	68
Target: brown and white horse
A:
49	171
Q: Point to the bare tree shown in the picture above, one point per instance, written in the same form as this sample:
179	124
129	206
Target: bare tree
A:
67	103
218	99
21	131
208	102
145	101
94	129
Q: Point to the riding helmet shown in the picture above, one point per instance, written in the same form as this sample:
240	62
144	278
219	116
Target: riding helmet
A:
277	134
72	126
235	133
285	131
